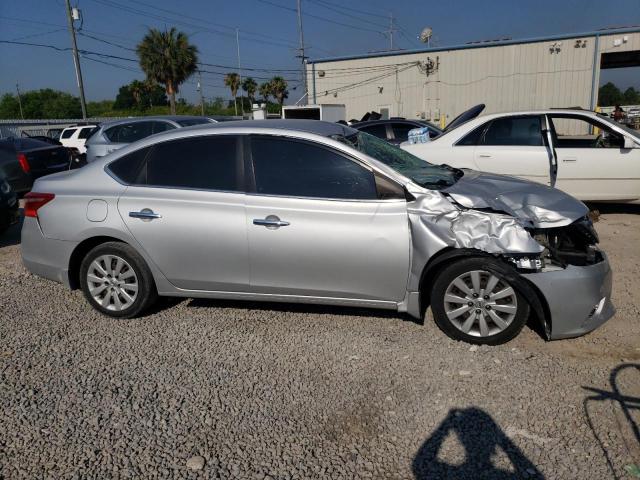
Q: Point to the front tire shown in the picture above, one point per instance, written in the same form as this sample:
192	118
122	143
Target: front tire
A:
474	300
116	280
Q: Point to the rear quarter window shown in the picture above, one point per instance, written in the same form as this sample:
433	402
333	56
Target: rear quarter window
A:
128	169
68	133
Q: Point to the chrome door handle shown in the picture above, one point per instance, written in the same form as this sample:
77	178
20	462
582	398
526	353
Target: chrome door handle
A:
484	155
145	214
570	159
271	222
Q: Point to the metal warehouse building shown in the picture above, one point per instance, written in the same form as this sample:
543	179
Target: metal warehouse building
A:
437	84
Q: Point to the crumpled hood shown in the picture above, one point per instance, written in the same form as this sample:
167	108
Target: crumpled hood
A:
542	206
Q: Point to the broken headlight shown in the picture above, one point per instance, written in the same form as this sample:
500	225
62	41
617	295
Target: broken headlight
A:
530	263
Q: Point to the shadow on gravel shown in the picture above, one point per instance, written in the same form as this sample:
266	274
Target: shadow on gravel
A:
482	439
301	308
626	403
12	235
614	208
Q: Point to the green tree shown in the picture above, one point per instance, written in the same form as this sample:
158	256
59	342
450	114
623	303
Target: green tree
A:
631	96
167	58
232	80
9	107
609	95
124	98
265	91
279	89
45	103
250	86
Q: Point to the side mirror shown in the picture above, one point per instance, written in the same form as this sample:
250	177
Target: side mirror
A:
628	143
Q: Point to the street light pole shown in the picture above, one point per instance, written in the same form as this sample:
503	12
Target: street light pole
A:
76	60
240	72
201	93
302	56
19	100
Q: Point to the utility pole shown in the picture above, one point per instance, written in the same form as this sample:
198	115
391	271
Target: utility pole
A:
240	72
201	93
302	56
391	30
19	100
76	60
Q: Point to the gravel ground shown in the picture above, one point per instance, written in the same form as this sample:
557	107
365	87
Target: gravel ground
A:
210	389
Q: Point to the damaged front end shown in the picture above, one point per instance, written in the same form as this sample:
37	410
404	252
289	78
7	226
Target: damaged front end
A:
541	232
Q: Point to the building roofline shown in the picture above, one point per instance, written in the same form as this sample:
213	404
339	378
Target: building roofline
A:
467	46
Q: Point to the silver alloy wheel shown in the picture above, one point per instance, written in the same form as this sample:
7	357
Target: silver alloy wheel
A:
480	304
112	282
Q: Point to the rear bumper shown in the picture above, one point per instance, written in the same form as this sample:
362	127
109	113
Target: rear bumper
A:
579	298
45	257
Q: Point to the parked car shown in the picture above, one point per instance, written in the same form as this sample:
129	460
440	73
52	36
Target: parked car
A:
395	130
22	160
75	137
591	157
8	204
42	138
114	135
315	212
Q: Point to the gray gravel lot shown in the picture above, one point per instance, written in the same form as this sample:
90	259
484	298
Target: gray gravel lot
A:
207	389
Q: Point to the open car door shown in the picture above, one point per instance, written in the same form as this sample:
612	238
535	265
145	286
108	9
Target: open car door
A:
547	132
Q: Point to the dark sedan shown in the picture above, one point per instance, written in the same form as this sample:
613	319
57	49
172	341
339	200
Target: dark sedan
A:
22	160
8	204
395	130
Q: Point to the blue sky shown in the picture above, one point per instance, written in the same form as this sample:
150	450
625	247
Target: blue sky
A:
268	34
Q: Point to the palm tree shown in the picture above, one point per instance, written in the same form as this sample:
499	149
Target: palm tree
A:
232	80
265	91
279	89
167	58
250	86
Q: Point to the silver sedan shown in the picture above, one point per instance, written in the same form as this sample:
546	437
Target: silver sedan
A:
314	212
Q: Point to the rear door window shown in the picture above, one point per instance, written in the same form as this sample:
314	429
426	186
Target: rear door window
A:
203	163
514	131
129	132
301	169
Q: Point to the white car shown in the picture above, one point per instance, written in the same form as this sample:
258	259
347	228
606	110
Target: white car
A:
587	155
75	137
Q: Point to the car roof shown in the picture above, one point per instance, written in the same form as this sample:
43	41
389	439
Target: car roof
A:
318	127
173	118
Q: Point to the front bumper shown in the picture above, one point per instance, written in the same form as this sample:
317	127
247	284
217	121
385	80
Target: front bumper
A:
43	256
578	298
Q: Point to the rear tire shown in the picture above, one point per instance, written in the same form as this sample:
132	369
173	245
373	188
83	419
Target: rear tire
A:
474	301
116	280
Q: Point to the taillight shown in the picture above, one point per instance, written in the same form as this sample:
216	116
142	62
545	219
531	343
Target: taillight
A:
34	200
24	164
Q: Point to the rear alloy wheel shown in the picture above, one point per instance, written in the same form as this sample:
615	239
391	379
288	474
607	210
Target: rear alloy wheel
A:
116	280
473	301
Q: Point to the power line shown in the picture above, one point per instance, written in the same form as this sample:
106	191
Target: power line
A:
361	12
317	17
337	10
163	18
